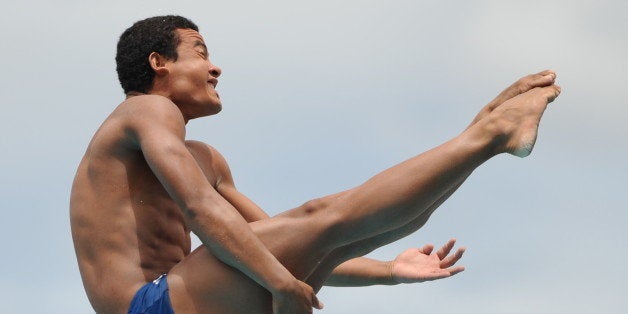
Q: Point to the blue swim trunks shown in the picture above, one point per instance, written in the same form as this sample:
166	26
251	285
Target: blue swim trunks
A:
152	298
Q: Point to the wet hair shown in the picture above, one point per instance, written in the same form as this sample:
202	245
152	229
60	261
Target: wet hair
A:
154	34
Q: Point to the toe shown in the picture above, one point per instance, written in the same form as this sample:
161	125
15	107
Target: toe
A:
547	72
552	92
532	81
548	92
544	78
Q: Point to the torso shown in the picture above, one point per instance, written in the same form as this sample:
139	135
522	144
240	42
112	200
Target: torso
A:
126	228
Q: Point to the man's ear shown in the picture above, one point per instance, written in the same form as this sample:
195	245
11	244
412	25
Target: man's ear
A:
158	63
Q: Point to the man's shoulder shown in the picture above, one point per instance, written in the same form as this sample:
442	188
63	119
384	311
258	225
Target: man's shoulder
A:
201	148
149	112
208	157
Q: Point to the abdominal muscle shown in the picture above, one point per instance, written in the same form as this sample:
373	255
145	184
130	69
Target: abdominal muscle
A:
126	229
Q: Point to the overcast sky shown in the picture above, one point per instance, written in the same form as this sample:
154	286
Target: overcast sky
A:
319	96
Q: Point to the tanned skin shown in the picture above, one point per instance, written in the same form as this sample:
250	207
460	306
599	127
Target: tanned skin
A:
141	188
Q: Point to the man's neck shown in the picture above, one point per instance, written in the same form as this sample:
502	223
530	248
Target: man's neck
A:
131	94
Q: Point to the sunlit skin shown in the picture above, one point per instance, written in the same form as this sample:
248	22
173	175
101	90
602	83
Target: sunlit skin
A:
141	188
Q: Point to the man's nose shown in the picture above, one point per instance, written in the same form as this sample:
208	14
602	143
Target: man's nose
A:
214	70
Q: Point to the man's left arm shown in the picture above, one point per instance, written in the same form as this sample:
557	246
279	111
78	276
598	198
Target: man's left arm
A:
411	266
212	161
247	208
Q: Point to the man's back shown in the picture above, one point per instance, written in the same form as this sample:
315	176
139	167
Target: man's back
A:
126	228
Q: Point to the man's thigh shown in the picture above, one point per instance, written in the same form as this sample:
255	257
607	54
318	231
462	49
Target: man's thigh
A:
202	283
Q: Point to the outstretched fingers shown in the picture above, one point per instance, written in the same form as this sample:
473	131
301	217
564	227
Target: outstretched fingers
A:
445	273
445	249
452	259
447	261
455	270
422	264
427	249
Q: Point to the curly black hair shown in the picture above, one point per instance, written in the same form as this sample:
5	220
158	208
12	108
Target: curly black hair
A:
154	34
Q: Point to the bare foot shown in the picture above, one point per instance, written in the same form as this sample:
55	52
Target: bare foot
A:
524	84
518	119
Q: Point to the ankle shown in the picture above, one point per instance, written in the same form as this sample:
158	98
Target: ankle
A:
492	134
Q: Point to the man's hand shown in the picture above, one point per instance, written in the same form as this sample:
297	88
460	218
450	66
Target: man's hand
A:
418	265
298	299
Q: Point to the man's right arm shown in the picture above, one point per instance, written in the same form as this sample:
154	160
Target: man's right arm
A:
411	266
158	128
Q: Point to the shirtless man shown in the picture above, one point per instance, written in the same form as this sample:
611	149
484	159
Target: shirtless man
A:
141	188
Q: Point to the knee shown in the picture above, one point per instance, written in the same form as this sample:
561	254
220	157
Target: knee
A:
312	211
324	205
325	210
315	206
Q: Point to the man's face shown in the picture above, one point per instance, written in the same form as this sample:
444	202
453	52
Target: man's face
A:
192	78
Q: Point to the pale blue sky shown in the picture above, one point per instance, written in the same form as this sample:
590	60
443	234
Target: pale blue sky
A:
319	96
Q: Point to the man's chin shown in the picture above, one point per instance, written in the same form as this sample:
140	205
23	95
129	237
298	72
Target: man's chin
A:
218	108
214	108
